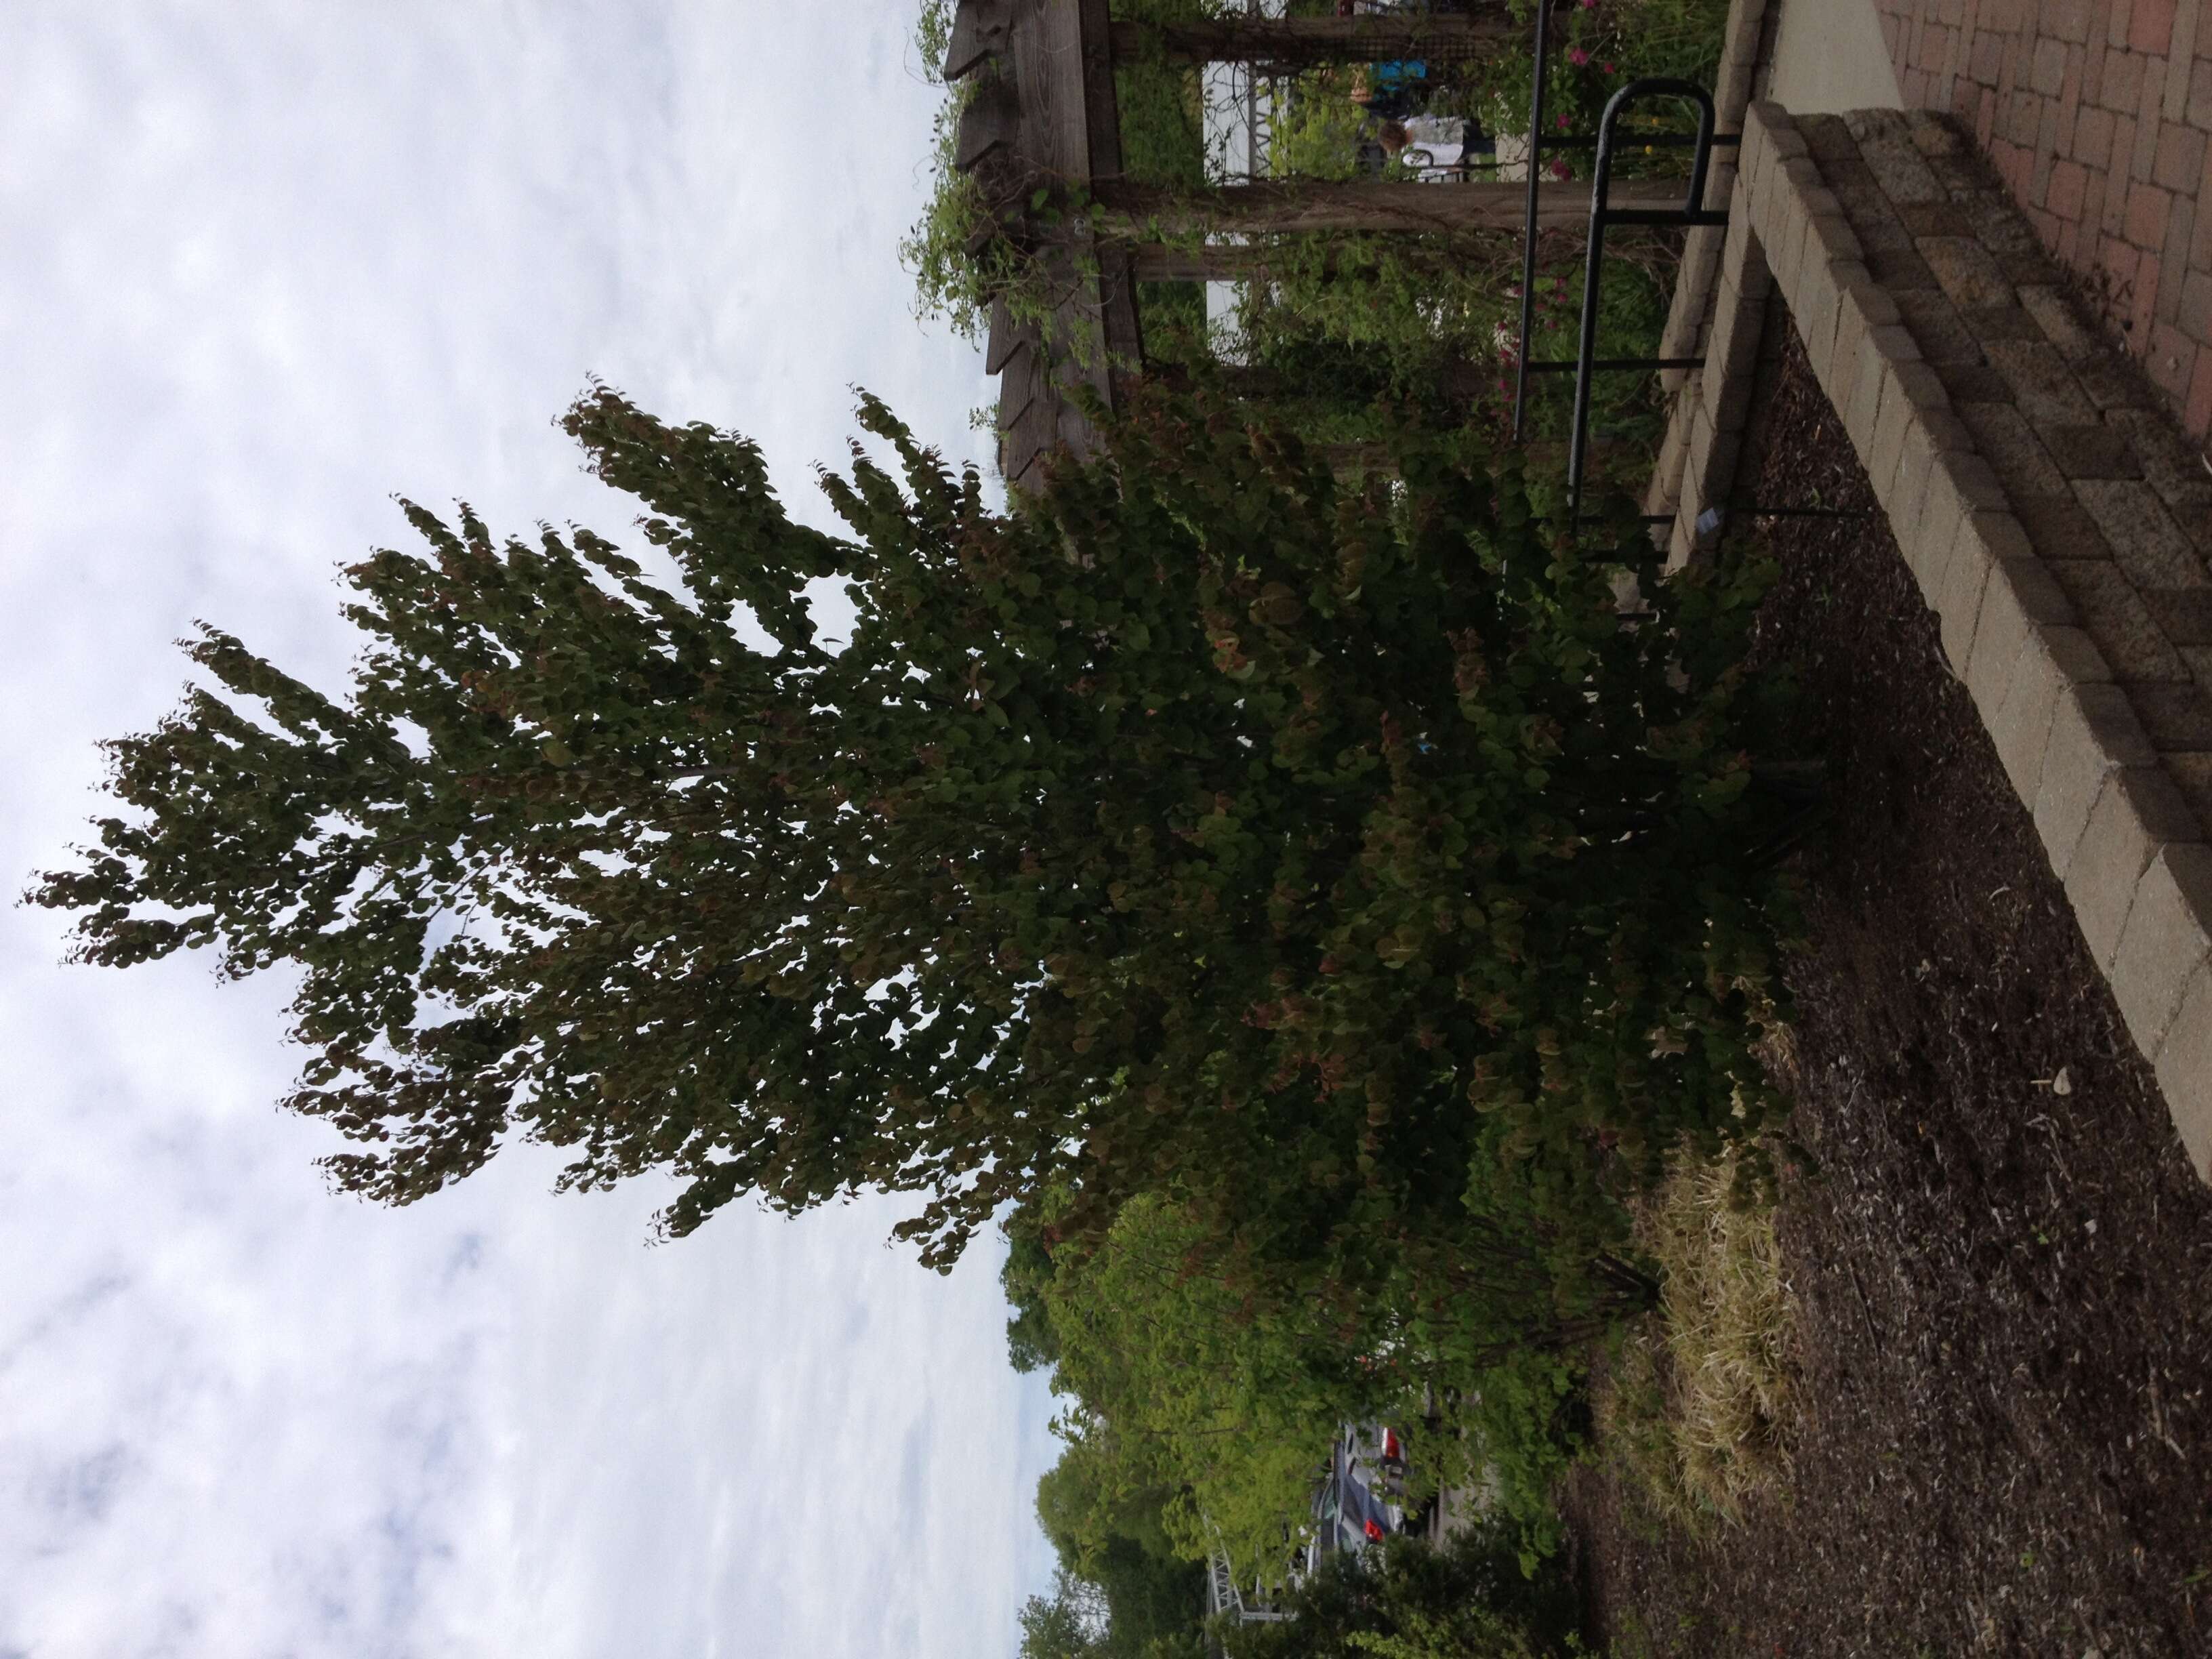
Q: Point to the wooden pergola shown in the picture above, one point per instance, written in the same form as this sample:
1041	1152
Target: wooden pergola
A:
1042	132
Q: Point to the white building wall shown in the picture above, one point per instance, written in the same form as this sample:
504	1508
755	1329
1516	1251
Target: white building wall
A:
1236	149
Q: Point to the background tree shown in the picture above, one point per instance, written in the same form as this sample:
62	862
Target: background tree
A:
1192	1400
1466	1599
1032	1345
1135	1595
1085	1501
1081	1620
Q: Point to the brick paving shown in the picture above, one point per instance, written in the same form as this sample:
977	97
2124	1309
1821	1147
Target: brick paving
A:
2096	113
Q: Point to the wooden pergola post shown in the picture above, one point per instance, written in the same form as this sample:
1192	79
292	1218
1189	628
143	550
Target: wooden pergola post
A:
1457	380
1203	261
1042	130
1157	214
1309	42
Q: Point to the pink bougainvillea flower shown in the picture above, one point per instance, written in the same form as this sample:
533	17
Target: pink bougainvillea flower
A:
1577	56
1561	123
1608	68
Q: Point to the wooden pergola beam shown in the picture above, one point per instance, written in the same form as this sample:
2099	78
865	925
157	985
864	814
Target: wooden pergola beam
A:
1205	262
1305	42
981	29
1145	213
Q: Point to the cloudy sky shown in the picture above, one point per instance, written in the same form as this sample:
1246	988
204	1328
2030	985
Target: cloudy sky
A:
263	264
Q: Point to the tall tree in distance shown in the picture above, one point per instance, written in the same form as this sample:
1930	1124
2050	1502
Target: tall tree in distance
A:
1210	826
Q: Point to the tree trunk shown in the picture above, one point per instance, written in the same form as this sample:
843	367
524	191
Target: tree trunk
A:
1147	213
1302	42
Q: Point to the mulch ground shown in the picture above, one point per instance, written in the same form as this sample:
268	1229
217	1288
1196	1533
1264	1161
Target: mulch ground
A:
2005	1292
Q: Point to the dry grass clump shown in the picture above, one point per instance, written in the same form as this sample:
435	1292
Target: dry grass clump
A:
1700	1401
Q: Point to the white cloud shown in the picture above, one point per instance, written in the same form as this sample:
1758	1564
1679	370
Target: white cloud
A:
261	264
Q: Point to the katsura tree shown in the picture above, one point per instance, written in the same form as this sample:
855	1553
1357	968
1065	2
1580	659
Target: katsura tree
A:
1330	856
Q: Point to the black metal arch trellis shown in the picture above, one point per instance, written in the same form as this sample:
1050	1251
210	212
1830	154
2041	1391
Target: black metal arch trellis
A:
1692	212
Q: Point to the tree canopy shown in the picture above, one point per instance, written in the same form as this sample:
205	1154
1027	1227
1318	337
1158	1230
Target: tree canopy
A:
1210	826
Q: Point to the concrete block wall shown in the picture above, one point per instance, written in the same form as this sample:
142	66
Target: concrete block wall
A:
1695	314
2057	521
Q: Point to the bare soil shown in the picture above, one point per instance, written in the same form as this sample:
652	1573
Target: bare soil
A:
2005	1290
